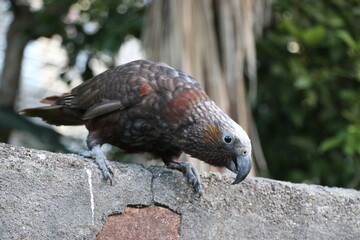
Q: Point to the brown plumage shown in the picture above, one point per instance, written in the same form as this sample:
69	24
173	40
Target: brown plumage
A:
144	106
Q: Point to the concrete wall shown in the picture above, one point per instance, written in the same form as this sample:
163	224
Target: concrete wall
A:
62	196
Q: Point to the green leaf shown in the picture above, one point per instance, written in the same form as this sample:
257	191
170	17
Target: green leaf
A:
333	142
348	39
290	27
314	36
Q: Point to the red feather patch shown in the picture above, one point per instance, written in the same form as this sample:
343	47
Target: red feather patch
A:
180	104
144	89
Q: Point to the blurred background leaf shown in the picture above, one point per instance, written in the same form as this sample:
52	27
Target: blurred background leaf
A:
308	111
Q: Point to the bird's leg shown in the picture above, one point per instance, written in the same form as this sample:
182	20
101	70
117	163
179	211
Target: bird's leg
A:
87	153
102	163
99	157
189	172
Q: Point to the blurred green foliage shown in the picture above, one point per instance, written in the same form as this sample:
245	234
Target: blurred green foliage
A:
308	111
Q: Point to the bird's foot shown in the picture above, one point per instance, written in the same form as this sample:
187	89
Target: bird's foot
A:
189	172
100	159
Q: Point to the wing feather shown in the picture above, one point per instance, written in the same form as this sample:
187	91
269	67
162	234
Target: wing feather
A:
101	109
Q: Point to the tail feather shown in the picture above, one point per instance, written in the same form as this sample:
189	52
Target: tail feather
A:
53	98
56	115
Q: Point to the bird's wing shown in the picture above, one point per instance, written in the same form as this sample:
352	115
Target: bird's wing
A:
126	86
115	89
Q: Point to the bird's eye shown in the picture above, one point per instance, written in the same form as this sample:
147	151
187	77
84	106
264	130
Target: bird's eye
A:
227	139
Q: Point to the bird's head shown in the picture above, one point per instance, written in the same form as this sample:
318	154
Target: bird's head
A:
238	142
222	143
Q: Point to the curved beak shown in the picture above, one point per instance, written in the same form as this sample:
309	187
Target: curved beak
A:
241	166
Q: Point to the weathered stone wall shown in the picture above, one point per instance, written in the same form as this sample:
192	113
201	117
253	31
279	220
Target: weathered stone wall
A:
62	196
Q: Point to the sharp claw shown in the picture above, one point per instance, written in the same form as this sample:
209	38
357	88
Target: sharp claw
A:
197	185
110	171
194	178
199	190
189	172
111	181
107	175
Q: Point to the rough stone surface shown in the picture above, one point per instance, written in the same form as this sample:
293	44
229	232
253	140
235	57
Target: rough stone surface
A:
46	195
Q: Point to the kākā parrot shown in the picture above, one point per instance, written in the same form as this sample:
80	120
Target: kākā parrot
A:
145	106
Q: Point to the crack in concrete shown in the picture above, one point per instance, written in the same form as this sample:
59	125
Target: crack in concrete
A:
152	187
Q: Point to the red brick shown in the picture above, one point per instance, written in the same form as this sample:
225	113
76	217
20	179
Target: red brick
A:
148	223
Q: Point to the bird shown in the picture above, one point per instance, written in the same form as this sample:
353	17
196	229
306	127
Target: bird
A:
150	107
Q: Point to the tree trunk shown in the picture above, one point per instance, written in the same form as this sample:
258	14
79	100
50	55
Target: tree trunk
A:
16	40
